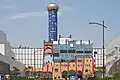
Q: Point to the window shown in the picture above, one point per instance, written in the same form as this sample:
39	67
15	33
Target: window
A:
95	52
71	45
79	60
56	54
56	70
63	51
54	77
86	70
71	51
88	51
58	77
79	51
56	65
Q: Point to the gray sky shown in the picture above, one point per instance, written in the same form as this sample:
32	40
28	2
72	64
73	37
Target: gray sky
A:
26	21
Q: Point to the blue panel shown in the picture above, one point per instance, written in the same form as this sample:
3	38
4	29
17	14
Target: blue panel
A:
52	25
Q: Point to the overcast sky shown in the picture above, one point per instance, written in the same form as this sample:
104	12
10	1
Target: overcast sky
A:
26	21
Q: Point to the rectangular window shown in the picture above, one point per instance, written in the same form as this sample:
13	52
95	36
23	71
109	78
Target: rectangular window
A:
79	60
88	51
71	51
63	51
56	70
79	51
56	54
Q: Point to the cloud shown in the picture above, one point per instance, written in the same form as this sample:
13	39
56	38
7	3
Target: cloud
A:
28	14
43	13
66	8
61	12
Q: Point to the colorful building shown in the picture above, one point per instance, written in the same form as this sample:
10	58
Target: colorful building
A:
67	56
70	68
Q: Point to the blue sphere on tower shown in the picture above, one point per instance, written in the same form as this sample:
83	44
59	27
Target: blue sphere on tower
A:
52	14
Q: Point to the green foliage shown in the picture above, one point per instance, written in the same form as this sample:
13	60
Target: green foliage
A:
115	76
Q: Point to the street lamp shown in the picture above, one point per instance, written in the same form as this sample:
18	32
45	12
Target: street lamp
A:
103	26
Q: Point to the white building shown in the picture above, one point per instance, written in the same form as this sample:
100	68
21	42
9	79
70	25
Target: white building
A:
29	56
98	55
7	56
113	55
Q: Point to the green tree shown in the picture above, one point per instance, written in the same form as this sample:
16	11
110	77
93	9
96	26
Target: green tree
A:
14	74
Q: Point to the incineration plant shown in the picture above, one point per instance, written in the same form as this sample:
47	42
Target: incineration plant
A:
64	56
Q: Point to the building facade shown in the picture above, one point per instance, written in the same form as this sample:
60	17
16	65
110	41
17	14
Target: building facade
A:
66	49
7	60
30	57
98	56
63	52
62	69
113	56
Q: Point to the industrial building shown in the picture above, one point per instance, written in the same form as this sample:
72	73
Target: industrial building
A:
30	57
60	69
7	61
64	54
98	56
68	55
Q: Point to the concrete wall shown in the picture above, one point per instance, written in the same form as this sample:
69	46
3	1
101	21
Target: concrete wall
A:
6	53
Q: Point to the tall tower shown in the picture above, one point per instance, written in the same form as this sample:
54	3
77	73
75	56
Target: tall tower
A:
52	14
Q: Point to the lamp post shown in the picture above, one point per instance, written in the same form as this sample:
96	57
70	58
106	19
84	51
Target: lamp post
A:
116	63
34	63
103	26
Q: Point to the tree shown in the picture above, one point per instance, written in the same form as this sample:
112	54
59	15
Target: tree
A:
15	73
